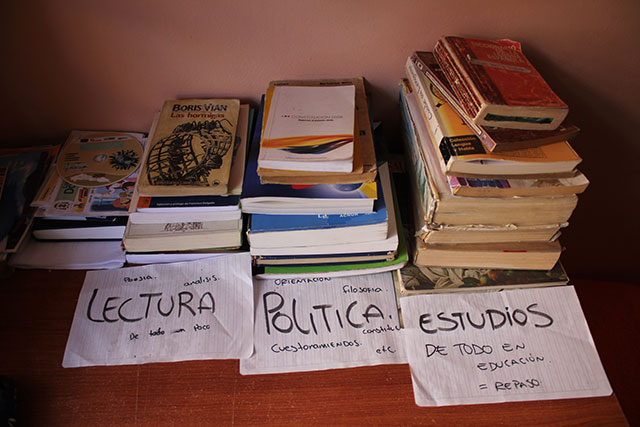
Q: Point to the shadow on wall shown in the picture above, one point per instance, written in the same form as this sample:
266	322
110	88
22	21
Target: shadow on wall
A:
603	231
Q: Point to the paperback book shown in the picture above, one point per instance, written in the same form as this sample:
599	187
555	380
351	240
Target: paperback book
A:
309	128
364	156
300	199
191	150
497	84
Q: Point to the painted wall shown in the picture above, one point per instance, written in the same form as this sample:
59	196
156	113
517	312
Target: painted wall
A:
78	64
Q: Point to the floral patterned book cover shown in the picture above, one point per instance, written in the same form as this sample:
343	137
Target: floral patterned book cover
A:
412	279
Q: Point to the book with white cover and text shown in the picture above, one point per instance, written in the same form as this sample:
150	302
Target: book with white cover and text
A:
300	199
309	128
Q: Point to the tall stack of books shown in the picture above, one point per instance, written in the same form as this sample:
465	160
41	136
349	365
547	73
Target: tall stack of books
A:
494	176
315	199
186	202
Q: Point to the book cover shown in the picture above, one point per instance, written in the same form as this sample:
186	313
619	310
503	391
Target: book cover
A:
364	156
24	169
413	280
231	200
493	138
302	199
309	128
113	199
192	148
506	89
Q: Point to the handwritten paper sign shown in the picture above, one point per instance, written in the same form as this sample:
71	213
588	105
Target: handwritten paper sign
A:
308	324
505	346
164	313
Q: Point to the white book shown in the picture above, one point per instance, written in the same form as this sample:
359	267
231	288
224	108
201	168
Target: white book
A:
309	128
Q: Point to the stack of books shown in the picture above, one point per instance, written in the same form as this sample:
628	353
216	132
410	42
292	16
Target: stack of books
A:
186	202
315	199
21	173
494	176
88	188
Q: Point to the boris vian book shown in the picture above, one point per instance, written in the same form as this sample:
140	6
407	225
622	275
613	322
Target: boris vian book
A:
494	139
462	153
309	128
206	202
300	199
192	148
497	84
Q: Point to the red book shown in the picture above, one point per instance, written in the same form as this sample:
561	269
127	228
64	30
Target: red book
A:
493	138
497	85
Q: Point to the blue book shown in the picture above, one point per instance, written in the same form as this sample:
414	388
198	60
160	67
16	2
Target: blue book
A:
260	198
261	223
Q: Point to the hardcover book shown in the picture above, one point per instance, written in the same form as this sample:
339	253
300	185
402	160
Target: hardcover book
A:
497	84
309	128
493	138
191	151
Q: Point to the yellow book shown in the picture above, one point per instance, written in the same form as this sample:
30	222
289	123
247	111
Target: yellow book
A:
192	148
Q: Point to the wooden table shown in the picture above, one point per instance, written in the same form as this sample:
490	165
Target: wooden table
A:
36	310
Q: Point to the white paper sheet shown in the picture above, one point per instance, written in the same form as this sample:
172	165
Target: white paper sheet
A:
309	324
516	345
164	313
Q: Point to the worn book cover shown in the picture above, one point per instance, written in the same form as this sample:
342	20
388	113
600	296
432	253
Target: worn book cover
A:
493	138
486	187
503	87
309	128
413	280
191	151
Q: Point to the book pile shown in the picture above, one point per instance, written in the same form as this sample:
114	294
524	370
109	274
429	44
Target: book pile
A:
186	202
88	188
315	199
21	172
493	174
